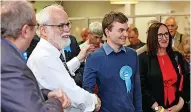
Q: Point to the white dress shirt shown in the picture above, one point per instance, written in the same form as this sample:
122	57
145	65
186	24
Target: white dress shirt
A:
51	74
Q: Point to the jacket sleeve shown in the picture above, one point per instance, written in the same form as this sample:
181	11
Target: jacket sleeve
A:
185	73
147	98
137	90
20	92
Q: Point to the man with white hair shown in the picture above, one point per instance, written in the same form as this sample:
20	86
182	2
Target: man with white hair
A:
54	30
178	38
95	35
19	89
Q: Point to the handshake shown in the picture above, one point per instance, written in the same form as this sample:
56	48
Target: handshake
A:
98	105
65	101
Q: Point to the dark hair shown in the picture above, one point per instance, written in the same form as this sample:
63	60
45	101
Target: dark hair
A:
113	17
152	39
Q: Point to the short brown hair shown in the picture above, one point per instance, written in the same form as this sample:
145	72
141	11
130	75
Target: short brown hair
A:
113	17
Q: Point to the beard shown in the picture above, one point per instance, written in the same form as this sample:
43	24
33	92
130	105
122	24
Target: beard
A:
60	42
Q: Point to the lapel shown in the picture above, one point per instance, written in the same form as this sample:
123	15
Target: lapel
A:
177	40
175	65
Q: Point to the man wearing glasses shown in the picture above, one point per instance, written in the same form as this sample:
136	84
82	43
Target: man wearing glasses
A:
54	30
19	89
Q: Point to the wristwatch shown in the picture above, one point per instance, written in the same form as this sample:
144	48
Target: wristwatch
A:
156	108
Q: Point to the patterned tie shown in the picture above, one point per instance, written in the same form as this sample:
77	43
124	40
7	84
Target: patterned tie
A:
65	65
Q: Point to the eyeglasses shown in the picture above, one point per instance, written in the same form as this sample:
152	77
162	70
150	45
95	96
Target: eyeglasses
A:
161	35
37	25
61	26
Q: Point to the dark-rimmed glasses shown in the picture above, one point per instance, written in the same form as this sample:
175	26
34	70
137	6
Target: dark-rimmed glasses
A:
61	26
161	35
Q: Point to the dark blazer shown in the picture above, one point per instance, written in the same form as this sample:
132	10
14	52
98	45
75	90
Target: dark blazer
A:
152	82
19	89
75	49
33	44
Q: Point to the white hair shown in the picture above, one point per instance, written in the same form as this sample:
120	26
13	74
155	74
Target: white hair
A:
96	28
43	16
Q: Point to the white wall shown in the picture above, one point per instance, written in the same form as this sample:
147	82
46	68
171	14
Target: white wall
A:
90	9
162	7
100	8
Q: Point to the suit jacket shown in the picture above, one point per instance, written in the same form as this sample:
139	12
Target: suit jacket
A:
33	44
178	42
19	89
152	81
75	49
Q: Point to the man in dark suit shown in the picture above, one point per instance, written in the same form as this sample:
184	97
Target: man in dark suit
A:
19	89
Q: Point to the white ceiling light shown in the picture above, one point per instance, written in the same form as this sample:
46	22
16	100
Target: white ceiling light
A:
124	1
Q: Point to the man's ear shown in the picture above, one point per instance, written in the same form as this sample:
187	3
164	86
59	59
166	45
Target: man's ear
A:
176	27
25	31
43	31
107	32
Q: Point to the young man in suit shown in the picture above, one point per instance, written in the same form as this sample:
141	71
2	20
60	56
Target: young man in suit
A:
19	89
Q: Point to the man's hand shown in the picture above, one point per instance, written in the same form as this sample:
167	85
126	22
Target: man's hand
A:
61	96
98	105
85	51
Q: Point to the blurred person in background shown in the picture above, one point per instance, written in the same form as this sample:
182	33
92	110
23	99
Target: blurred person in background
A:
45	63
95	35
186	85
133	35
84	35
177	38
19	89
161	78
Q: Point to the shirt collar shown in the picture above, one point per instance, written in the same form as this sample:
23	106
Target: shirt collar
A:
49	47
109	50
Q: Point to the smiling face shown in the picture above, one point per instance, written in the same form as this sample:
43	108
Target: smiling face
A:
118	34
163	36
58	35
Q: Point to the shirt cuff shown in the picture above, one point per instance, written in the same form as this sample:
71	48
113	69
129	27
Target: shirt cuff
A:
73	64
94	97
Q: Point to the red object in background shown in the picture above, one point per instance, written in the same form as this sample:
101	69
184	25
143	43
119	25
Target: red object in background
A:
96	89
